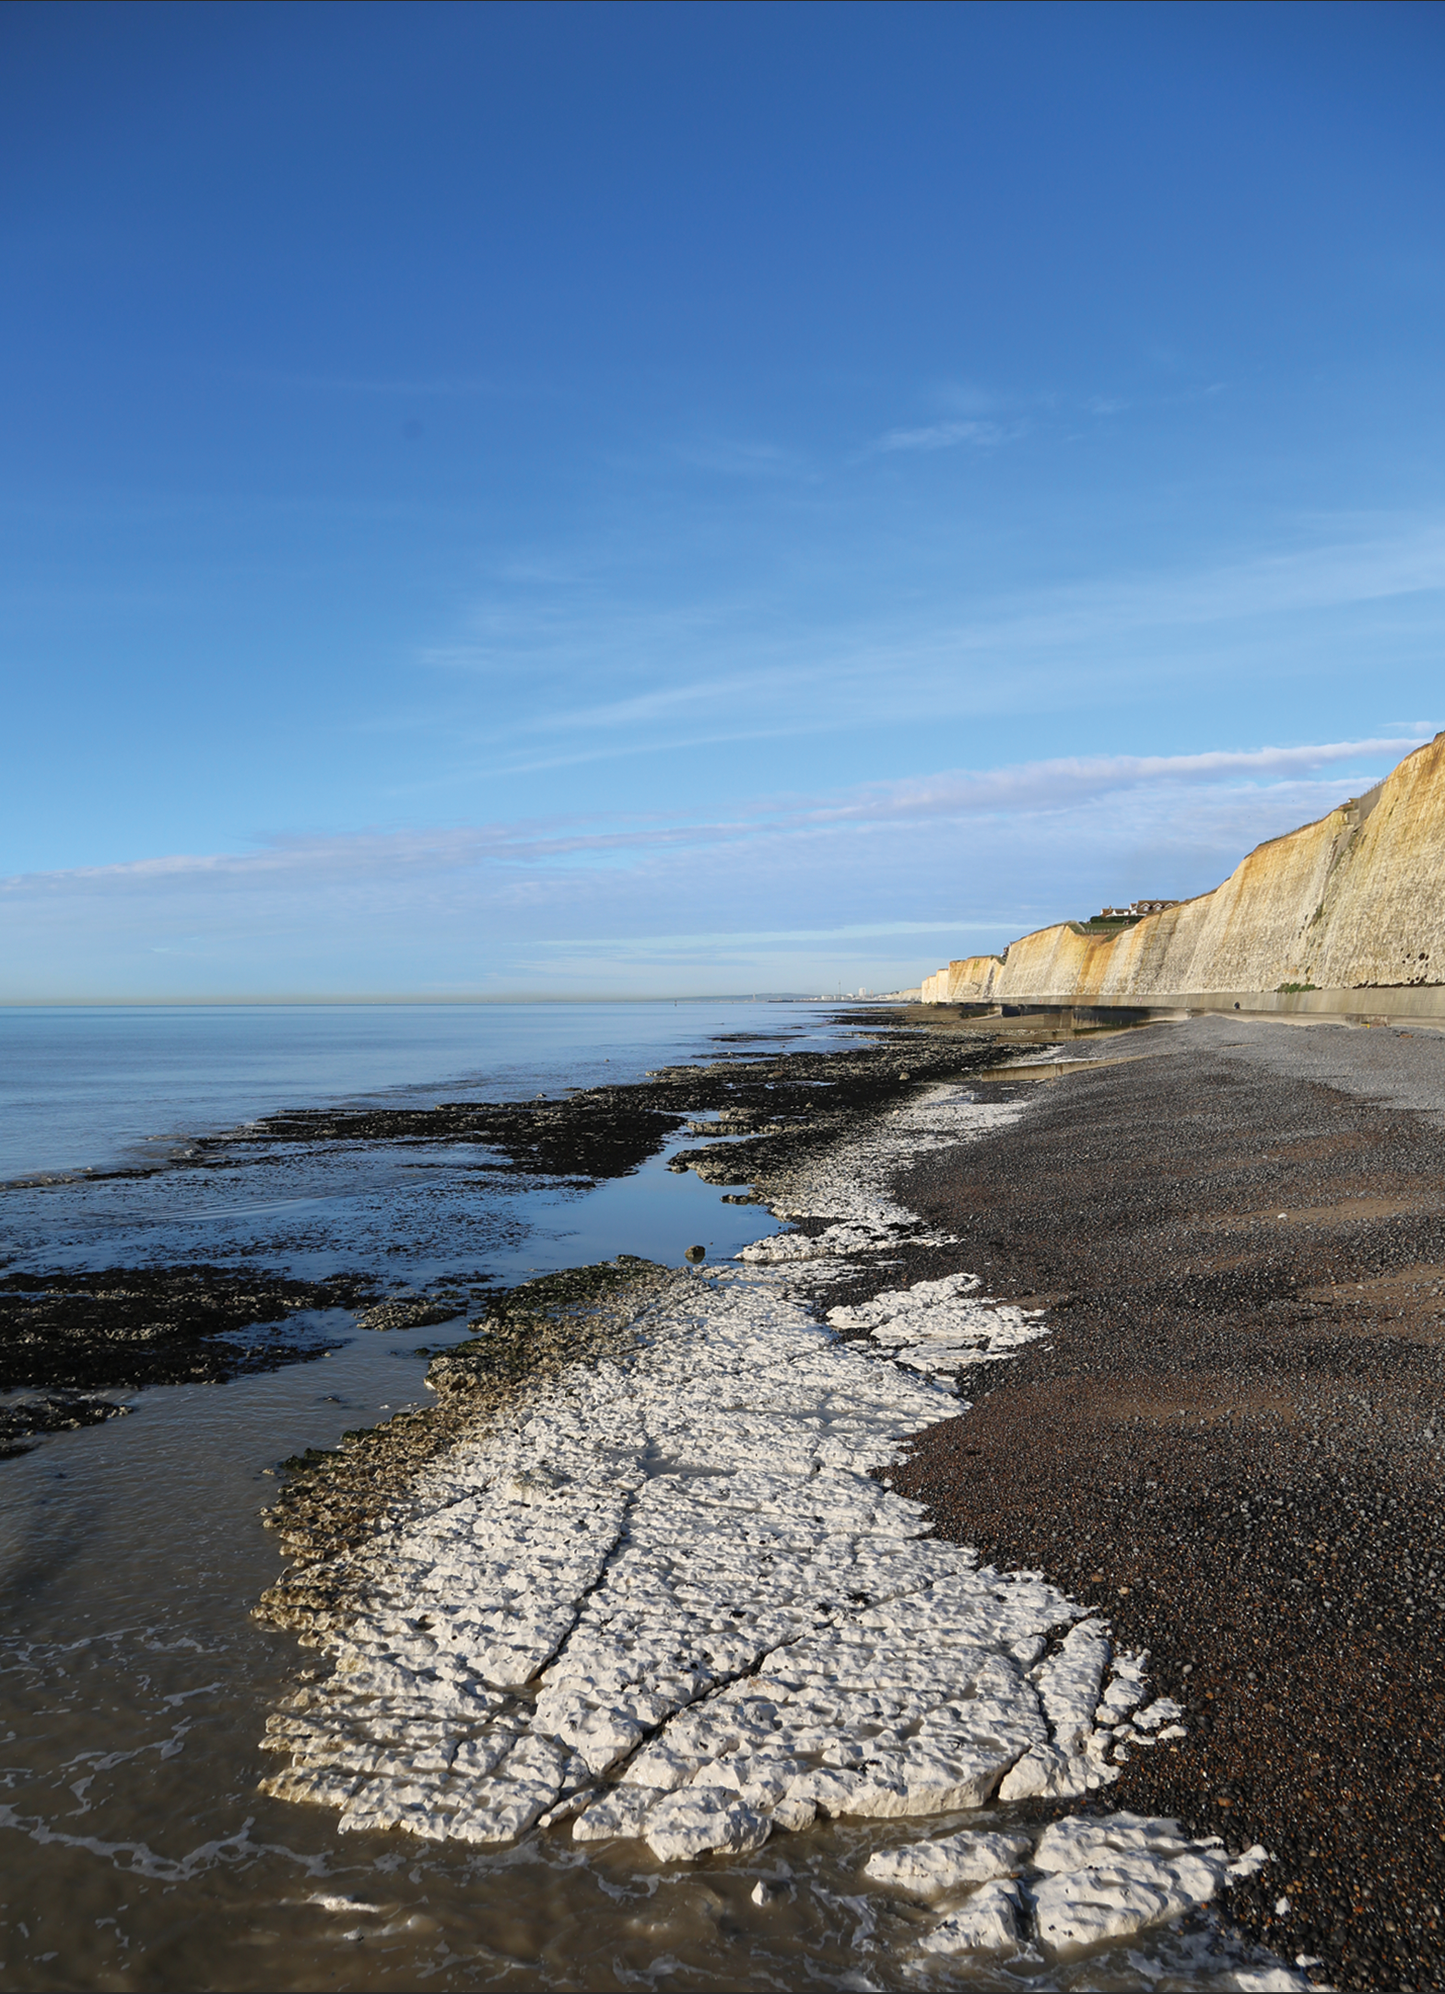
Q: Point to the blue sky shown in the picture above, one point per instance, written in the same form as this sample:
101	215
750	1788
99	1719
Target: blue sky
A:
663	499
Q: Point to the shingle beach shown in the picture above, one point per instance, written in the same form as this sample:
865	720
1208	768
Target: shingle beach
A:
1232	1443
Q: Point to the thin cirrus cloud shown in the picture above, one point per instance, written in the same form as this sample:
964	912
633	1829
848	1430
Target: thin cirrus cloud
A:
1050	786
944	436
1019	794
879	882
890	668
553	625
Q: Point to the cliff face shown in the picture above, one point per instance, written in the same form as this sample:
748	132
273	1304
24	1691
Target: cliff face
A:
1354	901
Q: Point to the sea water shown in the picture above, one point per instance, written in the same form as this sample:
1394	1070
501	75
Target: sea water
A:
111	1089
95	1085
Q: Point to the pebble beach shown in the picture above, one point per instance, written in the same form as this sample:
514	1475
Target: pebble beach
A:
1231	1444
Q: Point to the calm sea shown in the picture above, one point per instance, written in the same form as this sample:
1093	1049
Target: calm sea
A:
89	1085
95	1088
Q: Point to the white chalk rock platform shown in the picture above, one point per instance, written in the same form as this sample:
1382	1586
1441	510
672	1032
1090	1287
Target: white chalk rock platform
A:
943	1327
675	1573
666	1601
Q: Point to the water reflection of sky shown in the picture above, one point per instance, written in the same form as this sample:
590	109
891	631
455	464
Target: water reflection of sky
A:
97	1085
403	1212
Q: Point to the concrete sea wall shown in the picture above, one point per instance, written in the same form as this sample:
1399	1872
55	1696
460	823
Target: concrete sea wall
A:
1343	916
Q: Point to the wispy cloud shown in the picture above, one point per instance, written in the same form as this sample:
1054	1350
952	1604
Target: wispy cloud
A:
793	885
1069	781
943	436
738	667
1023	790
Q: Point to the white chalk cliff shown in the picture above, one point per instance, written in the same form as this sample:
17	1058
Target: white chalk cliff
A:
1354	902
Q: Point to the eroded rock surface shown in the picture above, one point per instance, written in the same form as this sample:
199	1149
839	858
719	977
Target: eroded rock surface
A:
660	1594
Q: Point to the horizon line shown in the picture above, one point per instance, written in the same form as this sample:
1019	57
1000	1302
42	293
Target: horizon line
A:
524	997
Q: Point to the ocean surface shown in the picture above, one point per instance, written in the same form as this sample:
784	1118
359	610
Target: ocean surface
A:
94	1085
85	1090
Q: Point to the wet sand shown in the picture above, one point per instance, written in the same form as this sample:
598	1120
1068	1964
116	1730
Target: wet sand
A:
1232	1445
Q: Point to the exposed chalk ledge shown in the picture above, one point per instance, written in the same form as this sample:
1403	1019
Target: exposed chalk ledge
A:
666	1600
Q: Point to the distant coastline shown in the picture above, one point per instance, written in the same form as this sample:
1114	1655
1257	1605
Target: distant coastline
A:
517	997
